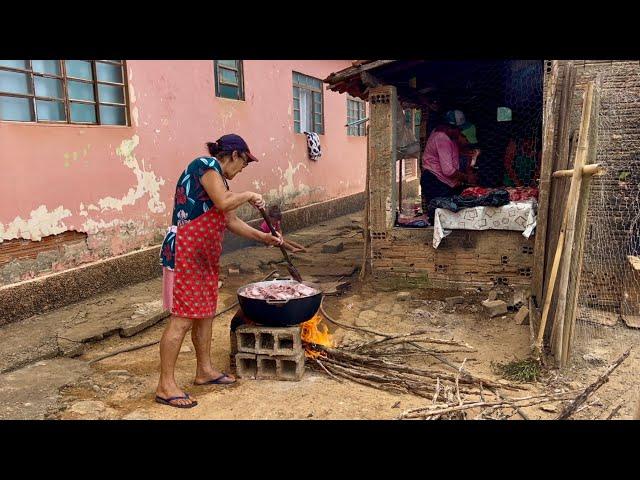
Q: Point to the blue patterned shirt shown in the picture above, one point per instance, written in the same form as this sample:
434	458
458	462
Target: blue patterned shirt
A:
191	201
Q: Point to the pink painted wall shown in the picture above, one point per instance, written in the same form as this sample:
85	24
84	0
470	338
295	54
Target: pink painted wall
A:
117	183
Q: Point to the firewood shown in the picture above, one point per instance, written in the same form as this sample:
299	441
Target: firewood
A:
430	411
601	380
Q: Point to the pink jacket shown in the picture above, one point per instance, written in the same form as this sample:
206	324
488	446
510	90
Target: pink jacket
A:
441	157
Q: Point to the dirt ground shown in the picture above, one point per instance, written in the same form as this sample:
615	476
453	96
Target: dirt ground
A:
123	386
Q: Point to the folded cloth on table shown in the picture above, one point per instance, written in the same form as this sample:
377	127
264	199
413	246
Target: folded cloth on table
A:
495	198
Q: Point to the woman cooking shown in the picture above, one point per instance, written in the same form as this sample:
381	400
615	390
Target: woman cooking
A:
204	207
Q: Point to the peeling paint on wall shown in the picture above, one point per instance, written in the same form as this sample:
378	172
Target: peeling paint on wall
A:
288	190
147	182
92	226
73	157
40	224
132	92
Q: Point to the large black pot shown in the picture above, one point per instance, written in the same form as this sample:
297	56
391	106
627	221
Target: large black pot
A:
279	313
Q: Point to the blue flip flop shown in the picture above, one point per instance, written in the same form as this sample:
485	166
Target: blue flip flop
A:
217	381
167	401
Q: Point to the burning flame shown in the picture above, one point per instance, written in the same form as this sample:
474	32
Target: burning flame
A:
315	332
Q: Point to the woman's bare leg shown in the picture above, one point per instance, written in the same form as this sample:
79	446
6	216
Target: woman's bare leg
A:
170	344
201	337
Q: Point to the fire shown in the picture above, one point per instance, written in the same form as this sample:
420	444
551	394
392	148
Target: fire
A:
313	331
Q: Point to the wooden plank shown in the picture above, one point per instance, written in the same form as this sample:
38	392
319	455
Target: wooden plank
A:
559	188
630	305
549	126
589	144
551	284
632	321
349	72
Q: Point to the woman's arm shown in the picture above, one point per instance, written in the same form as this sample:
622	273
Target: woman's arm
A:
223	198
237	226
449	163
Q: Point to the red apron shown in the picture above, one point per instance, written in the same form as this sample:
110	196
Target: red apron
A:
197	249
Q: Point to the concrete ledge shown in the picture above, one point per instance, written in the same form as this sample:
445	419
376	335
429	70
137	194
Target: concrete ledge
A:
31	297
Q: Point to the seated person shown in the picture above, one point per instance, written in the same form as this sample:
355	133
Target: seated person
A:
443	175
521	163
467	140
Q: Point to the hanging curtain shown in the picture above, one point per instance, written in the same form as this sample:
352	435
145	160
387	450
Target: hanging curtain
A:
306	111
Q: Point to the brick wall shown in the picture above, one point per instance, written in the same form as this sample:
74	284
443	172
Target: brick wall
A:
464	258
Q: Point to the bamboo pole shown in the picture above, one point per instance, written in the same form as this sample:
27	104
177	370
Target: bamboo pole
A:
548	295
589	153
594	169
561	338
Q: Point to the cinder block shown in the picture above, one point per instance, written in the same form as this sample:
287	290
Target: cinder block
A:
267	367
246	365
233	343
233	349
232	363
269	340
290	368
495	307
522	317
246	341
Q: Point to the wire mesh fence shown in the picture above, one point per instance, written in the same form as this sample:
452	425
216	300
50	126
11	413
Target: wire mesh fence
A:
609	295
498	109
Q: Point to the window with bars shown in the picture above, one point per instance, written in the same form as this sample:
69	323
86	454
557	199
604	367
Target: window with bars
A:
413	117
356	111
308	107
229	79
64	91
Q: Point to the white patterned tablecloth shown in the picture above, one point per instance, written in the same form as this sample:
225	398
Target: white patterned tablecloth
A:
519	216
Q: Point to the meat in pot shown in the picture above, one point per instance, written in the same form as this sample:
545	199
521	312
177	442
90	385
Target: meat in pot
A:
279	291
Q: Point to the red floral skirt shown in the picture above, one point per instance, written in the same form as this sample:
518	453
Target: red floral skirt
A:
191	290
